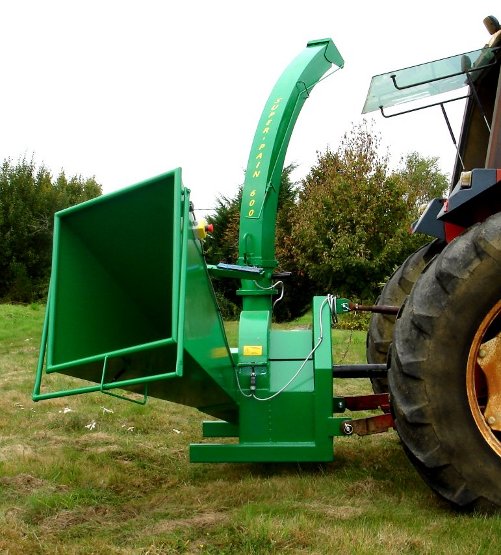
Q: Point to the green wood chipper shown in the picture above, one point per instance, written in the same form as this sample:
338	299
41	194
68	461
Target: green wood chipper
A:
131	309
131	305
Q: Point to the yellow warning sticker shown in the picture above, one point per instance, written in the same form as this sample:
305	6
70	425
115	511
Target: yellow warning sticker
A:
253	350
219	352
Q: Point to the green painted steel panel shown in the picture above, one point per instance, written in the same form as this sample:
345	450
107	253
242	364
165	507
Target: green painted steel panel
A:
107	252
131	304
259	452
290	344
282	371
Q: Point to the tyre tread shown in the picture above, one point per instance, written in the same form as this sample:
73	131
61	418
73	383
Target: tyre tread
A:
417	333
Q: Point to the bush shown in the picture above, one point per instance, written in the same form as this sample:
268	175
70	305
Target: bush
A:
229	310
356	321
29	197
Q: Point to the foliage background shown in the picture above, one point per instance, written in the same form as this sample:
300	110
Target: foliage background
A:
29	197
343	229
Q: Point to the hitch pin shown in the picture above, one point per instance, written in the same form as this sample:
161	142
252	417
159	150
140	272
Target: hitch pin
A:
380	309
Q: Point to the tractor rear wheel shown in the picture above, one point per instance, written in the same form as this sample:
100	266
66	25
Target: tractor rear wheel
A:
445	370
394	293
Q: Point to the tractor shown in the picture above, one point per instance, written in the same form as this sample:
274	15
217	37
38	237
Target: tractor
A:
131	310
443	348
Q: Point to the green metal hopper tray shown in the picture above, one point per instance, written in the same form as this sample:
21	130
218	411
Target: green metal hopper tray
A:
131	305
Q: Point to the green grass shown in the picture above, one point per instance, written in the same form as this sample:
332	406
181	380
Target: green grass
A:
126	486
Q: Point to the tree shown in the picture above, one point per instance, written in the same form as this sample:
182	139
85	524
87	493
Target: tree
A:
422	180
344	229
298	287
350	227
29	197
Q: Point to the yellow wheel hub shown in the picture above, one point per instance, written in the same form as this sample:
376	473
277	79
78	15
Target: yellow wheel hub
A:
483	378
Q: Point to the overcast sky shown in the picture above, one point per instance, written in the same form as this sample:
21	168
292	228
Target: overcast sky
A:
125	90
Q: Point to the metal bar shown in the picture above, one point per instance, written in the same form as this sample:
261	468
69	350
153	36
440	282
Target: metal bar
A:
43	349
372	425
379	308
493	158
477	100
125	398
387	116
182	284
123	384
451	132
177	254
466	72
367	402
359	371
111	354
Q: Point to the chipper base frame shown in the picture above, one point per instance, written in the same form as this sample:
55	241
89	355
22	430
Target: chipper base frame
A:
280	422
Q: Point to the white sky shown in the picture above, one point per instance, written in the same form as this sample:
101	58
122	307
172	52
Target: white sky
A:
125	90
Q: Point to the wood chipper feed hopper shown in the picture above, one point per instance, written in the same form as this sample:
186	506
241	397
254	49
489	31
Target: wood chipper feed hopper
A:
131	307
130	303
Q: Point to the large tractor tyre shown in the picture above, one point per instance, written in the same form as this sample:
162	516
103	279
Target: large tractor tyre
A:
444	355
394	293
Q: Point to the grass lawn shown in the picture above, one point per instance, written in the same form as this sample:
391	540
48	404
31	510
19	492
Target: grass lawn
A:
93	474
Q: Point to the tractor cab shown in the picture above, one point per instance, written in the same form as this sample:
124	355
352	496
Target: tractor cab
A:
474	78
